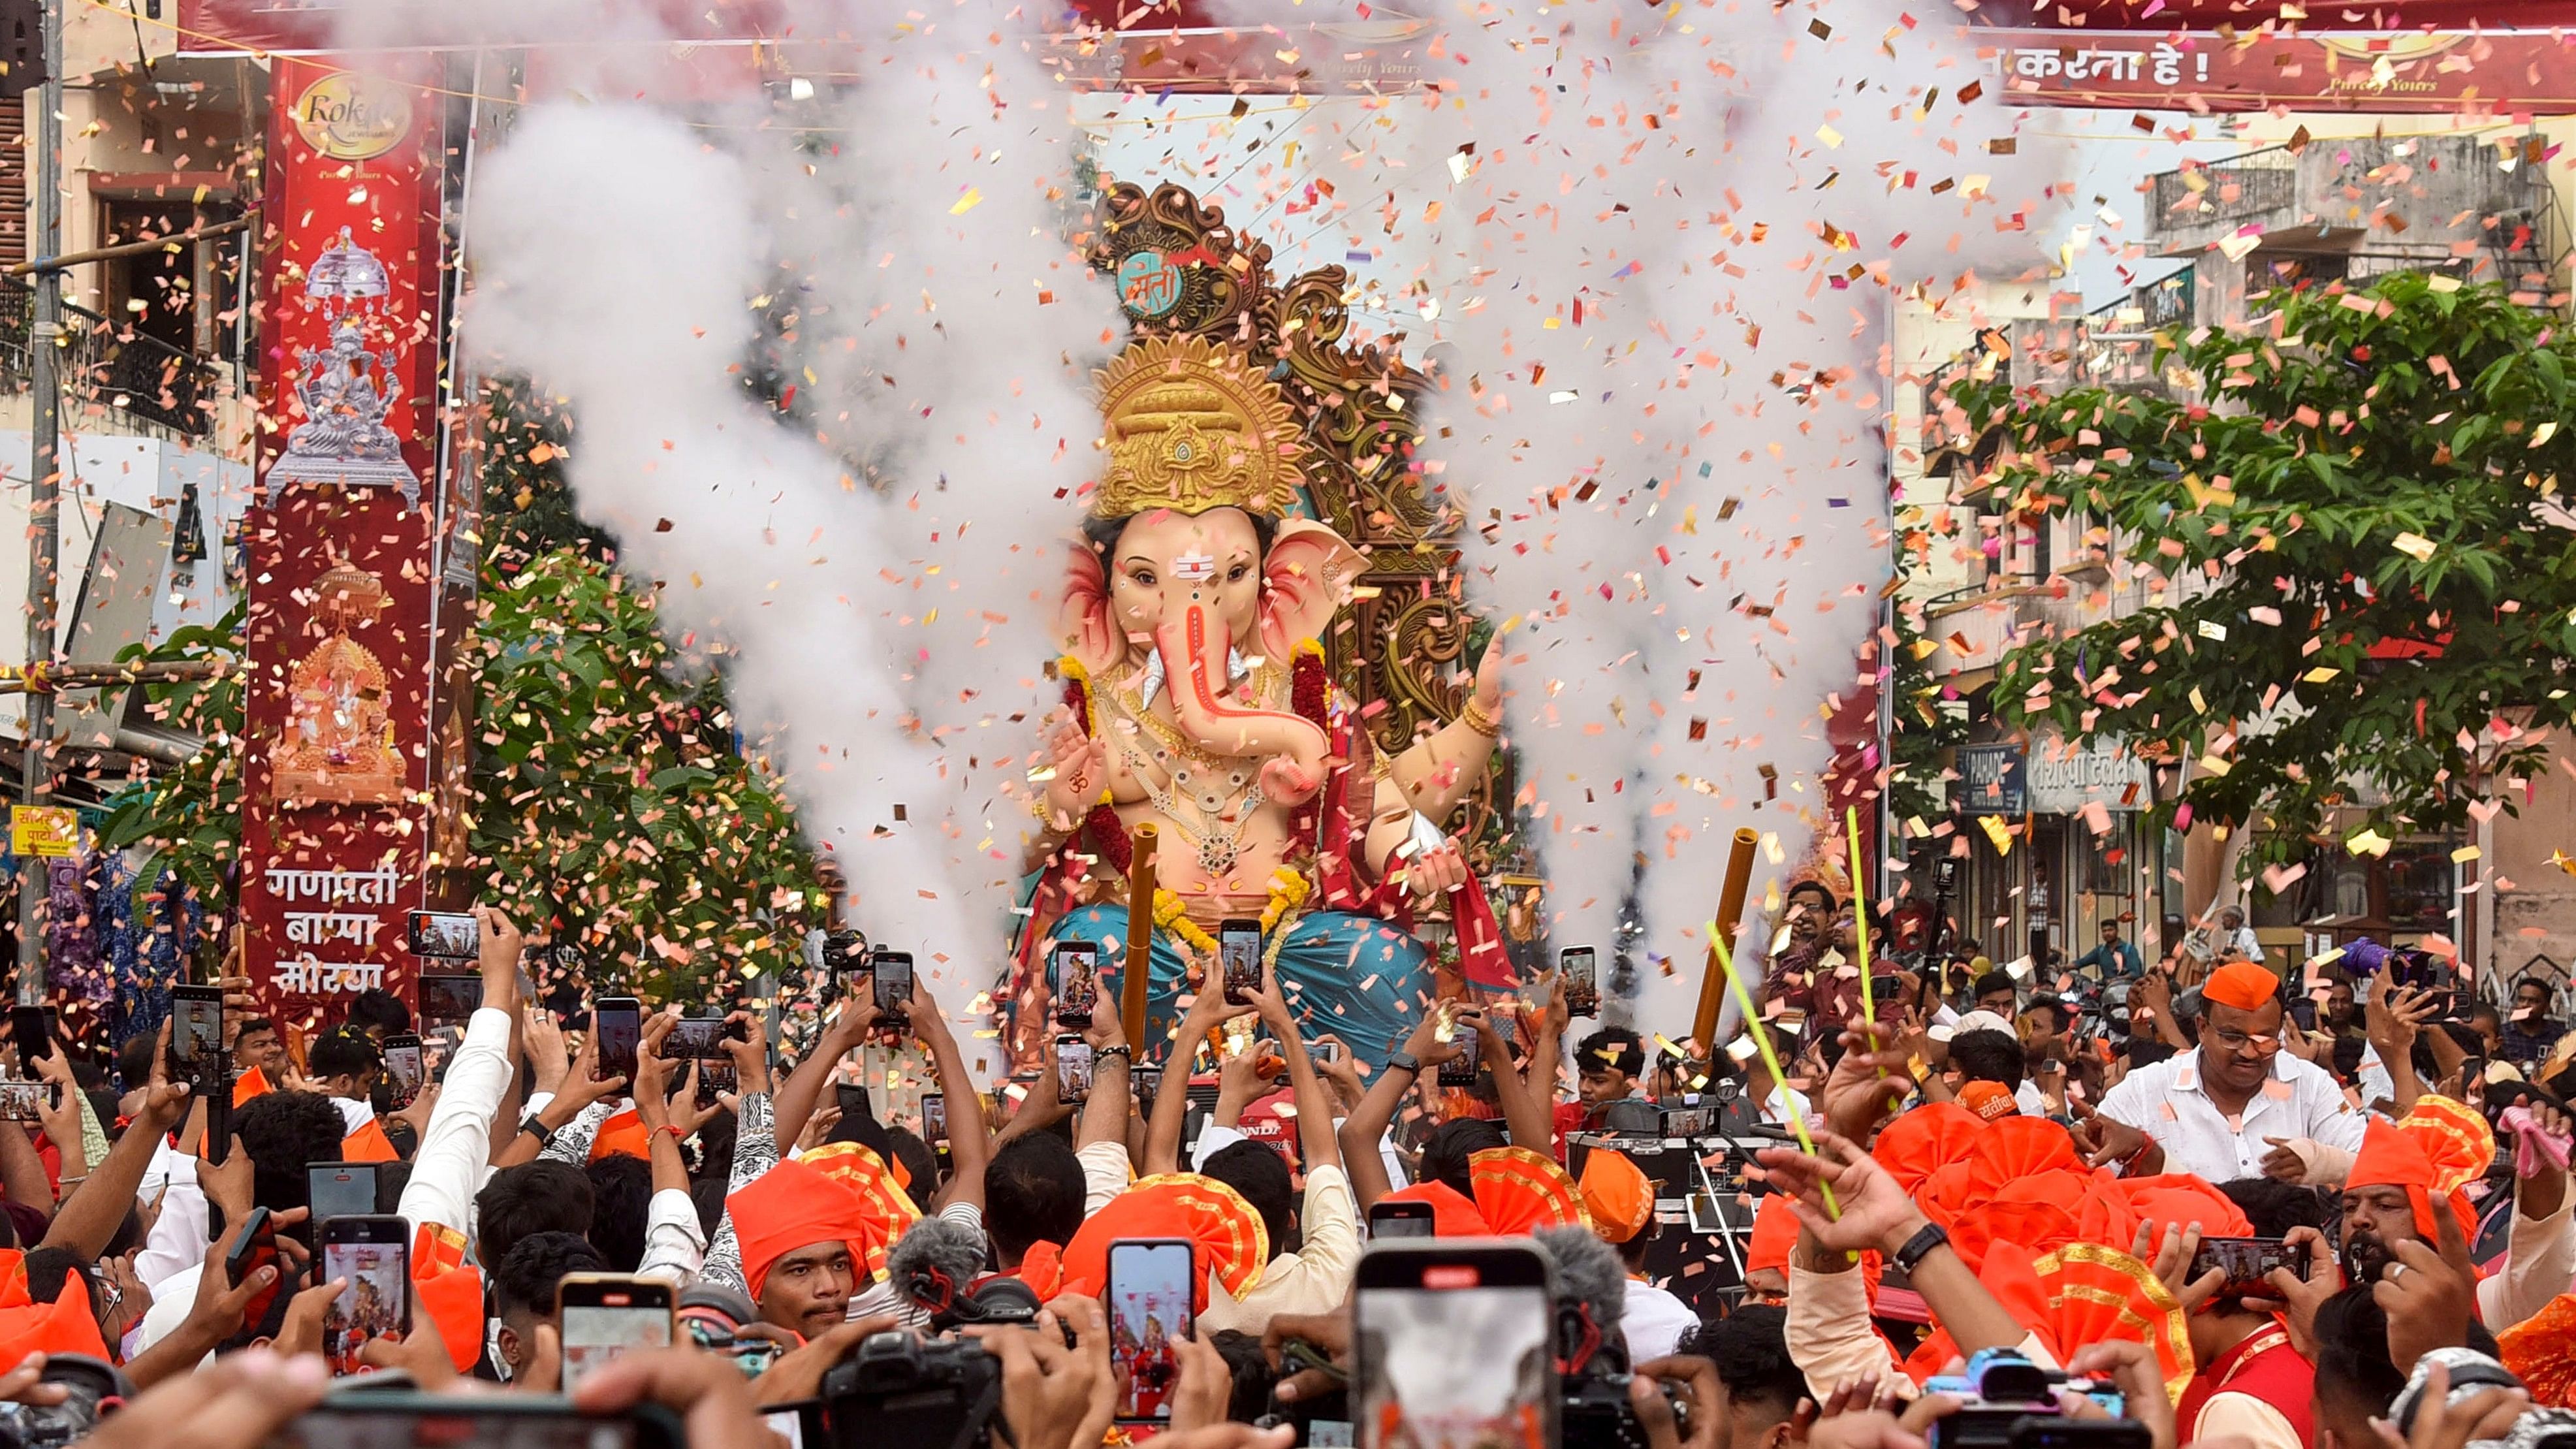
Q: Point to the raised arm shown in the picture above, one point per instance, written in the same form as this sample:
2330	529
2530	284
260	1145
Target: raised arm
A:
1369	1120
841	1036
970	1145
1315	1140
455	1153
1530	1123
94	1211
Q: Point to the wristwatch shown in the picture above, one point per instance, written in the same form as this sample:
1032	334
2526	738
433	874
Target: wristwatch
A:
1918	1247
1404	1062
545	1135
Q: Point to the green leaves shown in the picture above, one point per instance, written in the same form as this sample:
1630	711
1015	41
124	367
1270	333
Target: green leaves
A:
2361	467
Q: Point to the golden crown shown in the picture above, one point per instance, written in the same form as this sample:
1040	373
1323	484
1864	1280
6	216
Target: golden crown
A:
1193	425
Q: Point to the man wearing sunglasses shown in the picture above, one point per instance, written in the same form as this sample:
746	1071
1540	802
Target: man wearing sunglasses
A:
2222	1111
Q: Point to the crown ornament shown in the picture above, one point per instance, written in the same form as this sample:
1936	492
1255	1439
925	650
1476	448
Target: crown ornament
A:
1192	425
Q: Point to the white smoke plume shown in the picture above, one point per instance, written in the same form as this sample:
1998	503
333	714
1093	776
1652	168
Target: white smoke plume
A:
1663	243
875	570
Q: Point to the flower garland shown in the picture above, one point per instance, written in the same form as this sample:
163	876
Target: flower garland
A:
1288	892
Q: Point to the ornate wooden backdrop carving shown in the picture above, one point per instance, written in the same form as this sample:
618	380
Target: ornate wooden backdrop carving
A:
1179	268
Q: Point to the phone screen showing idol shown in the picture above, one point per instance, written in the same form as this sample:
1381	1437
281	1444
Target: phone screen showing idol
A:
374	1304
1582	992
196	1033
1149	1314
1077	982
1239	948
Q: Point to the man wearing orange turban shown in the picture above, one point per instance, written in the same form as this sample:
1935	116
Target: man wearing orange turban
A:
1621	1203
2406	1188
2221	1111
806	1241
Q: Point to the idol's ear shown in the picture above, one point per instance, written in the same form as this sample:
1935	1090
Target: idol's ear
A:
1082	622
1306	576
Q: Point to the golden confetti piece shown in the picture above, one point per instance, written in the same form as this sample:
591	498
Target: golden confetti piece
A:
2415	545
972	199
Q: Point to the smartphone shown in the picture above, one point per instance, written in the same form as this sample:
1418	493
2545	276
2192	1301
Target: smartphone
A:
371	1253
405	1073
1146	1080
1238	946
446	1000
1453	1343
1462	1072
714	1077
340	1189
1074	970
701	1037
256	1248
607	1315
1327	1053
1399	1220
196	1036
854	1102
2247	1262
380	1417
1149	1292
894	988
618	1024
445	935
32	1028
1072	1069
19	1101
934	1118
1582	986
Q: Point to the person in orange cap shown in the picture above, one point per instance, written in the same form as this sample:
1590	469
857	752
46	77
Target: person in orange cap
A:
2404	1211
1621	1204
2221	1112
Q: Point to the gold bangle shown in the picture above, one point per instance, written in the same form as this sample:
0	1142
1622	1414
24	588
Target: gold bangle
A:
1479	721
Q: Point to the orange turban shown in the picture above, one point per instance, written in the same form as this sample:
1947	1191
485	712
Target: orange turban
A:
1617	1195
2395	1156
622	1136
2179	1199
1775	1232
792	1206
65	1325
889	1207
2541	1351
1227	1237
1520	1190
2243	985
2083	1293
1916	1144
1989	1100
1452	1214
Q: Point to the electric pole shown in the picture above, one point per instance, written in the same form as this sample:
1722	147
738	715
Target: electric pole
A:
44	493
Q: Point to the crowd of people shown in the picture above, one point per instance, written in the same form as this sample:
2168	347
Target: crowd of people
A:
2186	1197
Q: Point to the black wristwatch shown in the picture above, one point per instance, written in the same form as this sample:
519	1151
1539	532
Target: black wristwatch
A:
545	1135
1918	1247
1404	1062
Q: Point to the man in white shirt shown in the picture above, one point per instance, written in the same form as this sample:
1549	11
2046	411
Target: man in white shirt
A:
1317	1276
1621	1203
2216	1111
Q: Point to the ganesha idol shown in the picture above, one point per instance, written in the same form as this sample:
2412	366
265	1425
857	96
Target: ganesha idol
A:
1198	702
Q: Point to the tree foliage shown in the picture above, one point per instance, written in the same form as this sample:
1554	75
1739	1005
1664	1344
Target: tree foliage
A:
2350	604
612	805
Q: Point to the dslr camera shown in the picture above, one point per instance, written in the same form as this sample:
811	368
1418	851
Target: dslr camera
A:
1594	1412
95	1389
2009	1402
902	1392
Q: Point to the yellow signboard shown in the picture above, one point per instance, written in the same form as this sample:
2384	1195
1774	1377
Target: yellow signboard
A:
43	830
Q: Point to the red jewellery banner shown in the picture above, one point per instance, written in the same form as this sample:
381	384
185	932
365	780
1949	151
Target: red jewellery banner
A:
336	832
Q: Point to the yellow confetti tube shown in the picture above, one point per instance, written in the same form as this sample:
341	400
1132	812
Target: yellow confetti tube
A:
1860	911
1770	1058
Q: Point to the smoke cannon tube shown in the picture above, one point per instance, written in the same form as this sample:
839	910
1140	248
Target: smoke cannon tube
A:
1730	914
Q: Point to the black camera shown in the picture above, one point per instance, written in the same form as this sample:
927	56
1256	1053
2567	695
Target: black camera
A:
902	1392
93	1389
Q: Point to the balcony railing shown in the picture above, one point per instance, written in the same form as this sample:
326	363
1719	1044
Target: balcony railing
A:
112	366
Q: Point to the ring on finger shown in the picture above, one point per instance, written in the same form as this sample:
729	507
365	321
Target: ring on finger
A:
2394	1269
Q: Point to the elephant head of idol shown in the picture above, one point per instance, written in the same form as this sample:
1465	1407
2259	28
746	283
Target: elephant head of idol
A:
1193	563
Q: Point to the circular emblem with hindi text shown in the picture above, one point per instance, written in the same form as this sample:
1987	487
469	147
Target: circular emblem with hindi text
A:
353	117
1148	284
